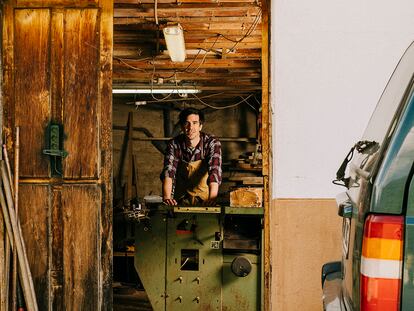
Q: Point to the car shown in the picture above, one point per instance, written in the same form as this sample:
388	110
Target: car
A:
376	271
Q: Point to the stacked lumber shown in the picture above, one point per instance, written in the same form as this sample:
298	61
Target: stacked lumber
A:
12	243
247	197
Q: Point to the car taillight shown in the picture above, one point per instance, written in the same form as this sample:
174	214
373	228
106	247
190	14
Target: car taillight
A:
381	263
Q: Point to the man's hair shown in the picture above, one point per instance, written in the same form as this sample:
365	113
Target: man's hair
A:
186	112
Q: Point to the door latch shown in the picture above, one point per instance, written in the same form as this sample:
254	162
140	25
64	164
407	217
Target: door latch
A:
54	140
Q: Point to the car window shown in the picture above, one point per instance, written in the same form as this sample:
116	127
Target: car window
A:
387	111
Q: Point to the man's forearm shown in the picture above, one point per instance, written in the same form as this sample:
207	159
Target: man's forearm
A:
167	188
167	191
213	190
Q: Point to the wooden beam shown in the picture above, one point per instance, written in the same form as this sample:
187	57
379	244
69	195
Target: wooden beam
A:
267	157
169	65
188	10
120	3
105	85
135	53
208	46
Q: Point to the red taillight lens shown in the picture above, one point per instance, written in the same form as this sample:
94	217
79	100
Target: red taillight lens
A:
381	263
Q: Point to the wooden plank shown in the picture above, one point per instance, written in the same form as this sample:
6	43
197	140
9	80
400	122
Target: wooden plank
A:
246	197
8	70
234	22
3	267
105	99
81	105
194	38
119	3
189	6
57	98
135	53
56	269
212	80
247	88
34	209
139	23
265	95
189	11
208	46
267	158
57	65
81	217
128	28
53	3
186	19
206	63
32	97
247	180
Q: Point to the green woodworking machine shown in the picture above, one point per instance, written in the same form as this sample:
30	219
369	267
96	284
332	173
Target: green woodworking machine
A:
200	258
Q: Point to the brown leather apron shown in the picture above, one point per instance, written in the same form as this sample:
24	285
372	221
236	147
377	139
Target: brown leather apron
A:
191	186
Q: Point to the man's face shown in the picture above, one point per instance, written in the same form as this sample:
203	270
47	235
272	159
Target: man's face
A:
192	127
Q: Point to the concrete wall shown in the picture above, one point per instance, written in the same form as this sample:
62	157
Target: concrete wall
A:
330	61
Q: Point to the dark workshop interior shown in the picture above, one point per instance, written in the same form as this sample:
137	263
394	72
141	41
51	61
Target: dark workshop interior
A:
187	258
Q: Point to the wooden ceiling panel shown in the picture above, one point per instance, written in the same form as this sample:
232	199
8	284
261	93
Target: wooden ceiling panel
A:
223	43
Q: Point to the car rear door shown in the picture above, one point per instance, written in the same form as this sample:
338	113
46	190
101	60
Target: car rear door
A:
365	171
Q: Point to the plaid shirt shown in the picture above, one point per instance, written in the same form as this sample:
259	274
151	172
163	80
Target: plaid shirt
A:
177	151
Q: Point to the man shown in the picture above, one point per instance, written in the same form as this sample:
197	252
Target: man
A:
192	164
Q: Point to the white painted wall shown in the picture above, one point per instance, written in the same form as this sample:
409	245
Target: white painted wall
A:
330	61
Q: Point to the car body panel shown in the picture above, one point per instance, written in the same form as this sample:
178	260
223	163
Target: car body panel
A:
332	294
379	180
407	299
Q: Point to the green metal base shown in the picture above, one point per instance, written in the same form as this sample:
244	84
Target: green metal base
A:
183	267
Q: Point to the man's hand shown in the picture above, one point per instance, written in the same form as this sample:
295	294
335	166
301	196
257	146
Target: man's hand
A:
170	201
212	195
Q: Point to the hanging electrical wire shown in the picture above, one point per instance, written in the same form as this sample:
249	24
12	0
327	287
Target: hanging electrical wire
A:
156	11
122	60
225	107
152	85
185	70
200	99
249	31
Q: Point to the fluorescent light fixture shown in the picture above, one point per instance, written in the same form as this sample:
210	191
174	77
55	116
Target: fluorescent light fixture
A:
155	91
174	38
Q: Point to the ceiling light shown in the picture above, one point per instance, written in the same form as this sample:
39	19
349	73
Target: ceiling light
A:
174	38
156	91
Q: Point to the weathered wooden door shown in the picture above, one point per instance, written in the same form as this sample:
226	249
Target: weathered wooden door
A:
57	68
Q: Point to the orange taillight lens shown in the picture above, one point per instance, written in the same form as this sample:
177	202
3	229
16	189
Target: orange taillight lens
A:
381	263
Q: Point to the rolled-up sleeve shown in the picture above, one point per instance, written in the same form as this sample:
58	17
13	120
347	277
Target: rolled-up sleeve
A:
170	161
214	161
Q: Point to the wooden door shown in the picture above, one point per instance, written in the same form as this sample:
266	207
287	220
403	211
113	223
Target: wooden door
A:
57	68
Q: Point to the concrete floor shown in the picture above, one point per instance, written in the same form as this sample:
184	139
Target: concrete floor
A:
130	299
